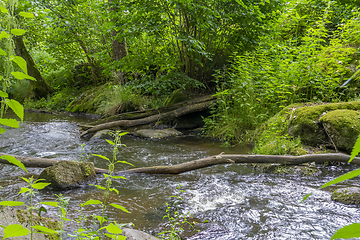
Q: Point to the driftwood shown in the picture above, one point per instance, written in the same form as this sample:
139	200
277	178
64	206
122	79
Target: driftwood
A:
205	162
154	118
146	113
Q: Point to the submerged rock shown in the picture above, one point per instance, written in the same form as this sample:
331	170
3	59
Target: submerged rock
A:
348	195
283	169
133	234
158	134
68	174
102	134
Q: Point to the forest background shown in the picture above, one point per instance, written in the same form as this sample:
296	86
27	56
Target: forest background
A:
256	56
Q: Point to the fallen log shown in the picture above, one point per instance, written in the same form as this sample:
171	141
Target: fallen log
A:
154	118
146	113
205	162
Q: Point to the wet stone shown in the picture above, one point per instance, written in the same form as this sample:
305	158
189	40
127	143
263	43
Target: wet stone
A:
158	134
348	195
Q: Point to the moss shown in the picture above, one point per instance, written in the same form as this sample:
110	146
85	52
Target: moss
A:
349	195
286	169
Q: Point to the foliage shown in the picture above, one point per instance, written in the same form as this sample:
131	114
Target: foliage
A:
176	219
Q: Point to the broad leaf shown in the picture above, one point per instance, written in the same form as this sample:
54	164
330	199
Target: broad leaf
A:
118	177
119	207
15	230
349	231
92	201
20	62
2	130
14	161
9	122
3	94
356	149
20	76
4	35
11	203
101	156
343	177
17	108
24	190
110	142
44	229
40	185
53	204
3	10
26	15
2	52
18	32
112	228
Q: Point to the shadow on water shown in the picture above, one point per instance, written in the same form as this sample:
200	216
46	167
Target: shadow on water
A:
236	201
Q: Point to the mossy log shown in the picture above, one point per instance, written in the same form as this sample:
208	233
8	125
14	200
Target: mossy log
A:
150	119
146	113
204	162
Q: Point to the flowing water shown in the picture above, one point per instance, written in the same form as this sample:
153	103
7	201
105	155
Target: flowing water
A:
236	201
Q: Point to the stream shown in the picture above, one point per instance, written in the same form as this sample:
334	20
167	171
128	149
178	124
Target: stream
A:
236	201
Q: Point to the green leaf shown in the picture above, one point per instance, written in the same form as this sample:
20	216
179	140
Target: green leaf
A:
14	161
123	133
26	15
44	229
118	177
125	162
349	231
356	149
18	32
53	204
20	62
11	203
114	190
40	185
2	52
343	177
92	201
17	108
110	142
119	207
24	190
9	122
3	10
15	230
101	156
2	130
4	35
41	209
112	228
3	94
20	75
306	197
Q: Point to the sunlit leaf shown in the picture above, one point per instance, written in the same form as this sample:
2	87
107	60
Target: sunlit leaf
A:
125	162
9	122
2	52
356	149
349	231
17	108
14	161
40	185
123	133
343	177
3	10
119	207
92	201
3	94
26	15
53	204
18	32
20	62
11	203
110	142
118	177
20	75
44	229
4	35
112	228
15	230
2	130
114	190
101	156
306	197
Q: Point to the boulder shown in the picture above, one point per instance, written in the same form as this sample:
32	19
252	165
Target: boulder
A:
133	234
68	174
343	127
348	195
158	134
102	134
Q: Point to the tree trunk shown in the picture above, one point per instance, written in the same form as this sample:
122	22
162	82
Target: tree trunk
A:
154	118
39	87
204	162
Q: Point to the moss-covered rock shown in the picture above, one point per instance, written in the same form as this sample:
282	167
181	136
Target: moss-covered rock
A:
349	195
305	122
158	134
68	174
343	127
